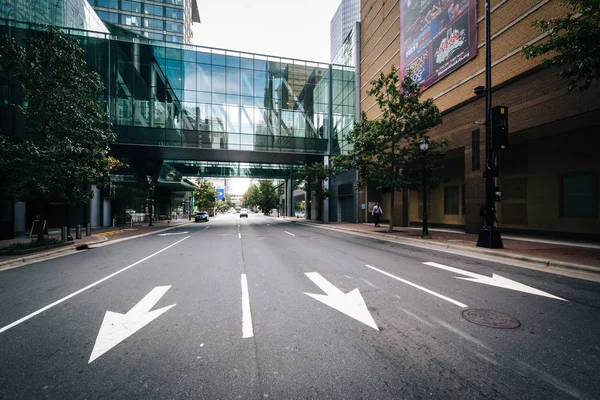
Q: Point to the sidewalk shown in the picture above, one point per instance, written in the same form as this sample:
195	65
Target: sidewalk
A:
584	256
99	235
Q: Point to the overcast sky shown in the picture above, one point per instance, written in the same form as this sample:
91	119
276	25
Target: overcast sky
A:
286	28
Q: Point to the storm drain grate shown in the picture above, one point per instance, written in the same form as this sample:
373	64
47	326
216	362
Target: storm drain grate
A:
493	319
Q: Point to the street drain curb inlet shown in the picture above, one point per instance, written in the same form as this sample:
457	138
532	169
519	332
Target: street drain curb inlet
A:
490	318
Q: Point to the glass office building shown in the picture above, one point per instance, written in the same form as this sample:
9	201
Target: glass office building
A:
162	20
76	14
342	37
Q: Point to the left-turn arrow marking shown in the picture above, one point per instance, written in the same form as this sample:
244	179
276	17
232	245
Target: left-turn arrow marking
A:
118	327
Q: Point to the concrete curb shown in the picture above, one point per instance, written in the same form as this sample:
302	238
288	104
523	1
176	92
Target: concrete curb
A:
35	257
109	242
63	251
436	245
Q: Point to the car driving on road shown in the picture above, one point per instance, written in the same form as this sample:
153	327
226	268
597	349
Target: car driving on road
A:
201	216
244	213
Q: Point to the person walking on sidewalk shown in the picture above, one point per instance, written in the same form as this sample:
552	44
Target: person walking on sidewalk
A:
377	213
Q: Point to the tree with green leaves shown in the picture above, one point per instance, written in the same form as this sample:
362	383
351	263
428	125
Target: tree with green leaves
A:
63	149
572	43
268	198
312	177
205	196
385	150
251	197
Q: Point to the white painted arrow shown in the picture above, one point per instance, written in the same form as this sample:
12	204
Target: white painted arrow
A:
352	304
118	327
494	280
172	233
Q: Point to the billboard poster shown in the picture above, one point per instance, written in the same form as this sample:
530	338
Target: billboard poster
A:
437	37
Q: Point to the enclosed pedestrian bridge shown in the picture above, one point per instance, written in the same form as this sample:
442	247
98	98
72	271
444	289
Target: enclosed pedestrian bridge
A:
187	106
182	111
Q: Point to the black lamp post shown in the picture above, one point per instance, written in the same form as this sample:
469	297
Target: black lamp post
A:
489	235
424	146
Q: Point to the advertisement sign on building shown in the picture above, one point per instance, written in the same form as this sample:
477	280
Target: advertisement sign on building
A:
437	37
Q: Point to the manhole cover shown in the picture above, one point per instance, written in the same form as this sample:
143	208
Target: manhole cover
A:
490	318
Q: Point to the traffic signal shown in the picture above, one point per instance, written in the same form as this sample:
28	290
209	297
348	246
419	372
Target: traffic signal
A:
499	128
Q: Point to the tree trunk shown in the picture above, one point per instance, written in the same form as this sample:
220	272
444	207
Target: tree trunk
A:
308	205
391	228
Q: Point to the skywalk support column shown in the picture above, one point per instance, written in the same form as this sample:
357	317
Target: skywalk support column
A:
289	197
326	200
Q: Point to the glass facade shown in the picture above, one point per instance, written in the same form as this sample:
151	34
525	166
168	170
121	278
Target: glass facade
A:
185	96
342	27
76	14
163	20
171	95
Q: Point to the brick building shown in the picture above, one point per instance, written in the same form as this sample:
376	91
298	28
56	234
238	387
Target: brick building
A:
549	173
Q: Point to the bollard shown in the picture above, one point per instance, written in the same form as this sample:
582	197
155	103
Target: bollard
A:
131	222
63	234
78	232
88	230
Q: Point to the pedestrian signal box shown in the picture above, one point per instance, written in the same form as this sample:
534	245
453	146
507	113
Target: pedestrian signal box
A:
499	128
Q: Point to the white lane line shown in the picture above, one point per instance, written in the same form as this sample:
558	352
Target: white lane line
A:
41	310
418	287
239	235
207	227
268	224
247	331
289	233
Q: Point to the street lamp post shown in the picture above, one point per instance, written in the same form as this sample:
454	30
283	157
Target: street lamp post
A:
424	146
489	235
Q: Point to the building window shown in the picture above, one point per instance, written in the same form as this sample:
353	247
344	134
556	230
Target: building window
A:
153	23
132	6
130	20
451	200
154	36
109	17
475	152
579	195
174	39
108	4
174	27
153	10
176	2
176	13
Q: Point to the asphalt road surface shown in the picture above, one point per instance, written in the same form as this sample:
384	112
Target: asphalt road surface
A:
256	308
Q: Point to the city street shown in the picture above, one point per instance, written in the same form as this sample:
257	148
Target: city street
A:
256	308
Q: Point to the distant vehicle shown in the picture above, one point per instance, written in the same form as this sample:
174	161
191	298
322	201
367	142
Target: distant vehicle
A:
201	216
243	213
130	211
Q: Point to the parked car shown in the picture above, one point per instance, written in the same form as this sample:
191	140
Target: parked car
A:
201	216
243	213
